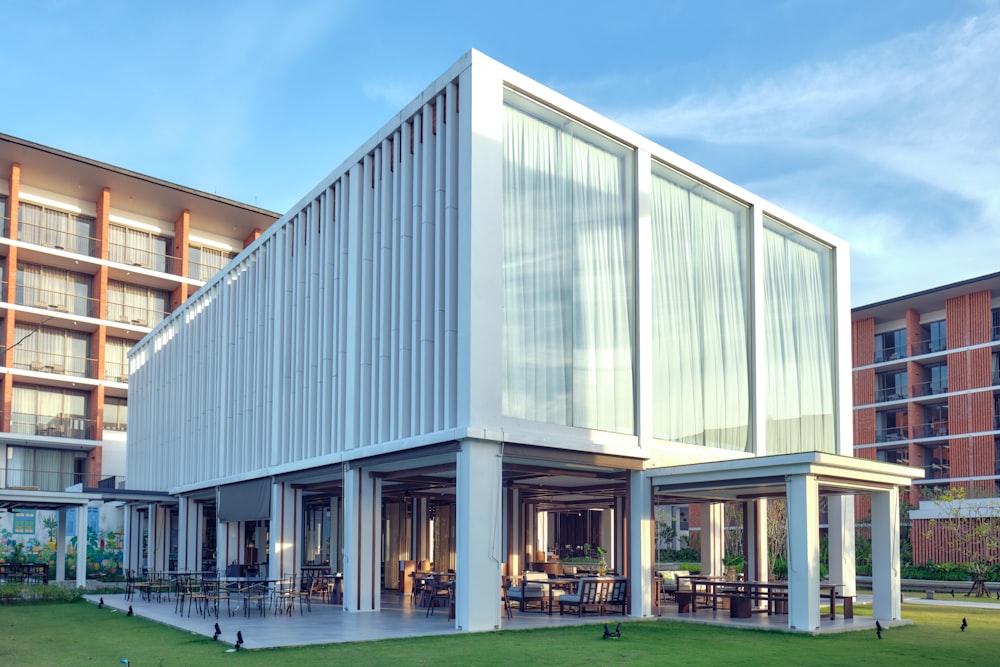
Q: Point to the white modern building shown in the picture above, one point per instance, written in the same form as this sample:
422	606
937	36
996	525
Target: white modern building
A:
506	319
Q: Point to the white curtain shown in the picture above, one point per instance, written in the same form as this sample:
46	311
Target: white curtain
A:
701	373
799	340
568	277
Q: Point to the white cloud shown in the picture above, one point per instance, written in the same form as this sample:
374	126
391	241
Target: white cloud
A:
916	112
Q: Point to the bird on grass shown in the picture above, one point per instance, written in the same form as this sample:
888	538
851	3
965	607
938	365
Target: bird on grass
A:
100	604
124	661
130	612
964	624
239	639
218	631
612	635
878	629
953	592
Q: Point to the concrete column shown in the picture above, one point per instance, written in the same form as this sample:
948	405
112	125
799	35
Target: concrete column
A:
613	535
514	550
61	545
841	531
285	529
640	547
886	604
713	541
230	540
189	517
132	540
803	552
81	546
478	535
159	537
755	535
362	541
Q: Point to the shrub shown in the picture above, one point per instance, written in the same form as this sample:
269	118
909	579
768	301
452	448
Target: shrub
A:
15	593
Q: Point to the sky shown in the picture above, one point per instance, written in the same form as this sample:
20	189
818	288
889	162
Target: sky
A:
877	120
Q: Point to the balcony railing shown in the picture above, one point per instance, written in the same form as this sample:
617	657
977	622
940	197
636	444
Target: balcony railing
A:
42	480
116	371
890	394
147	259
137	315
889	354
60	301
57	364
929	347
931	388
60	239
892	434
59	426
933	429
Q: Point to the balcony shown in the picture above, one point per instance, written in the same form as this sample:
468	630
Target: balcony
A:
135	315
116	371
59	301
59	426
892	434
889	354
57	364
937	429
890	394
142	258
42	480
928	347
930	388
54	237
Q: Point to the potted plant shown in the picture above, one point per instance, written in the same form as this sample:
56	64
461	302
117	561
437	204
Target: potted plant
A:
602	564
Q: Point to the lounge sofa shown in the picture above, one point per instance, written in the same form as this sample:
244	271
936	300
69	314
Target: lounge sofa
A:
533	590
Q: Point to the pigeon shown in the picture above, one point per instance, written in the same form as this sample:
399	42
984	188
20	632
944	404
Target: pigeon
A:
878	629
130	612
953	592
100	604
964	625
218	631
239	639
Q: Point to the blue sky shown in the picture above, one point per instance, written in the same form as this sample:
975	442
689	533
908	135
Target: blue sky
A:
875	119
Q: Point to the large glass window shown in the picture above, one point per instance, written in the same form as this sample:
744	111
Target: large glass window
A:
890	345
115	414
54	289
203	262
116	359
45	411
890	386
701	373
45	469
798	320
52	350
138	248
135	304
568	273
54	228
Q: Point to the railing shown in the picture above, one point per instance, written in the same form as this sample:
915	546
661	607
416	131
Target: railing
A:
937	469
933	429
996	333
890	394
59	426
889	354
141	257
60	239
892	434
929	347
58	301
57	364
120	427
33	479
112	482
931	388
136	315
116	371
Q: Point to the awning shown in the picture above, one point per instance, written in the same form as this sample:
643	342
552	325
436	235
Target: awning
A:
245	501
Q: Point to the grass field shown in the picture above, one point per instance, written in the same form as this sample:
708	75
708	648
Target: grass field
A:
81	634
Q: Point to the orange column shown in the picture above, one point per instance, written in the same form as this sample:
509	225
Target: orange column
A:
182	230
10	292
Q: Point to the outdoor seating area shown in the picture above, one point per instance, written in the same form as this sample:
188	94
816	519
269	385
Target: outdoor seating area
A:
580	594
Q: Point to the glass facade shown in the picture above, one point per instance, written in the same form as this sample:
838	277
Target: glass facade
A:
799	339
701	358
569	297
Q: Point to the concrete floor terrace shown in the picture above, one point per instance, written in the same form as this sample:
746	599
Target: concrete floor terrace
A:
330	624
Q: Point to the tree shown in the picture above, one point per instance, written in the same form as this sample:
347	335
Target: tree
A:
971	527
777	536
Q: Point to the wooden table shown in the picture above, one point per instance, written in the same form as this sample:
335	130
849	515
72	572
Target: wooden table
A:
564	583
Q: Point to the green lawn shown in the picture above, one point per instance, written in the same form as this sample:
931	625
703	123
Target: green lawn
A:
81	634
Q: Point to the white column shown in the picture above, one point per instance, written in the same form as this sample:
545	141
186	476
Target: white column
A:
336	537
886	605
613	534
362	541
840	521
713	541
755	516
188	534
61	545
81	546
640	546
803	552
132	540
513	550
478	536
285	529
230	538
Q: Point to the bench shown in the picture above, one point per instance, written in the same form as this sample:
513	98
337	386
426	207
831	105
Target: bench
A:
533	589
617	594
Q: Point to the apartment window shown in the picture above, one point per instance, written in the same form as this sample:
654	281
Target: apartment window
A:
47	411
45	469
135	304
116	359
937	462
935	379
995	316
891	425
900	455
890	346
935	421
51	350
203	262
115	414
136	247
53	289
890	386
934	337
54	228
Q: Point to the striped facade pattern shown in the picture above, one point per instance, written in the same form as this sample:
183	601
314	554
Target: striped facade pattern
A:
337	330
